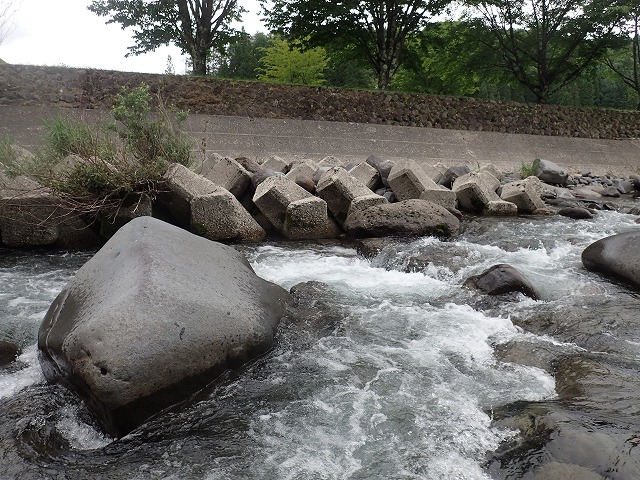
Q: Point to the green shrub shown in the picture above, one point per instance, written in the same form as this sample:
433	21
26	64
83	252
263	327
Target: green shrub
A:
7	156
65	136
125	157
527	170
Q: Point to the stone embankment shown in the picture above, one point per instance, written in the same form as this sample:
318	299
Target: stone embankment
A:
95	89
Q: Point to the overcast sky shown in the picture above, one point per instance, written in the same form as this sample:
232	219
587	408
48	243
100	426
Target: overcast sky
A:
64	32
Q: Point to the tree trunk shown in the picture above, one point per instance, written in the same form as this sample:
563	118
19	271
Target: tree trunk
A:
384	77
199	61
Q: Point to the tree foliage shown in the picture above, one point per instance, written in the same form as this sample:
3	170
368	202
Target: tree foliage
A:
377	29
626	66
447	58
283	62
195	26
241	59
547	44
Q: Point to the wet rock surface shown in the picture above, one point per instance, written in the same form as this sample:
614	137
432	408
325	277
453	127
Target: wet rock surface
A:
501	279
617	257
9	351
156	315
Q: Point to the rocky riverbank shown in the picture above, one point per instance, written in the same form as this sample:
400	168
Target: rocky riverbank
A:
233	200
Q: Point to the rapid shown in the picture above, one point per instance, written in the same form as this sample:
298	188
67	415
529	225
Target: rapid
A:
386	367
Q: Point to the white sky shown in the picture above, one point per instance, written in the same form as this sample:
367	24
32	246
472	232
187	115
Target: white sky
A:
65	33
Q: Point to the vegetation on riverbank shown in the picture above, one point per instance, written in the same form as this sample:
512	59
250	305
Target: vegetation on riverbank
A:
97	167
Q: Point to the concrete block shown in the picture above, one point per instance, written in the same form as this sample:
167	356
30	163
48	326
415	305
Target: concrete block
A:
366	174
433	173
408	180
331	161
113	219
274	195
293	211
437	171
203	166
475	190
231	176
441	196
308	219
493	170
276	164
383	166
366	201
500	207
206	208
525	194
338	188
30	216
219	216
305	168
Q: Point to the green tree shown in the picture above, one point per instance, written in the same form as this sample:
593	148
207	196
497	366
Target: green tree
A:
195	26
378	29
547	44
626	66
242	58
447	58
286	63
347	70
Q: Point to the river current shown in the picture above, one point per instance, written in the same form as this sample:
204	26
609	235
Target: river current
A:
392	374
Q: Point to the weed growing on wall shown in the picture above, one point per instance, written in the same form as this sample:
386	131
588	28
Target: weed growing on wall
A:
97	167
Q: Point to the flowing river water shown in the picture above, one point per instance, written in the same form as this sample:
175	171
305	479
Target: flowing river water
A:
386	368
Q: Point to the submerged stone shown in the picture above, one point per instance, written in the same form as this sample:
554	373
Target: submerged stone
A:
501	279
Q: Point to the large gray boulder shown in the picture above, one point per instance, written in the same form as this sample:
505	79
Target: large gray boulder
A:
616	257
409	217
157	314
550	172
9	351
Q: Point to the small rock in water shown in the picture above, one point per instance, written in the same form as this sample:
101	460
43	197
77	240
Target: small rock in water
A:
501	279
577	213
8	352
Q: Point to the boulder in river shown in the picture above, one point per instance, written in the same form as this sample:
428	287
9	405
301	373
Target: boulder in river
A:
501	279
409	217
9	351
617	257
156	315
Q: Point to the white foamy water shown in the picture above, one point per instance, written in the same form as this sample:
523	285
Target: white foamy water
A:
401	389
400	384
12	383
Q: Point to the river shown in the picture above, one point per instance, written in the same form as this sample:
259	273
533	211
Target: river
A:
387	369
